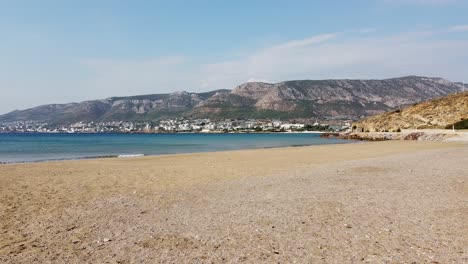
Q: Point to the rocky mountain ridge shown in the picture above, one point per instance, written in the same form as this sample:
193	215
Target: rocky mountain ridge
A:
289	99
447	112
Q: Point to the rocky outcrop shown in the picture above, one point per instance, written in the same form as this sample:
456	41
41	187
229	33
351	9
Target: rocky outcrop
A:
446	112
253	90
291	99
351	98
425	135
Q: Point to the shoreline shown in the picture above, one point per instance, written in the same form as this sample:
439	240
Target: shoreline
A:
349	141
140	155
131	155
166	133
439	144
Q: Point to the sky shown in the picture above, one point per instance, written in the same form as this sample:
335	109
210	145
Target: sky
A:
60	51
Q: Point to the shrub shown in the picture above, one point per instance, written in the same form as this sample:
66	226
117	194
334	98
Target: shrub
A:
463	124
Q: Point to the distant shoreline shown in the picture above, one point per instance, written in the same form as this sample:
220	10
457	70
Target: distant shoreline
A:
149	133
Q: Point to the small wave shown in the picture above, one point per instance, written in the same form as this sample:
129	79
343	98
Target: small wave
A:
130	155
57	159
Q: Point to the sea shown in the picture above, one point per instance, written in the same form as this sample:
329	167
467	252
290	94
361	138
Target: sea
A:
34	147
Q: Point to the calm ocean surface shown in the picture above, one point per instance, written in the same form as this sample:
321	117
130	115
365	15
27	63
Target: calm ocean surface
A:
42	147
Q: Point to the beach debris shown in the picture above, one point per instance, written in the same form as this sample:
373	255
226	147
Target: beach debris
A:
107	239
348	226
75	240
388	230
410	170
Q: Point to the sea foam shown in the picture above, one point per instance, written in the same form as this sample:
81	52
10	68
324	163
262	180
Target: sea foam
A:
130	155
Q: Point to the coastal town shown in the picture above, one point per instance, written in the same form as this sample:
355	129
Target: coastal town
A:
178	125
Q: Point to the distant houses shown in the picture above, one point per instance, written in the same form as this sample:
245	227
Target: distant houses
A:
176	125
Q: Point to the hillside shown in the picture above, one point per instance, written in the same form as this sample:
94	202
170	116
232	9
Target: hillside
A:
443	112
290	99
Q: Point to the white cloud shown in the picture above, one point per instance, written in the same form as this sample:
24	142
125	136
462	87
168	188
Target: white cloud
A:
365	30
459	28
355	57
421	2
349	54
304	42
334	55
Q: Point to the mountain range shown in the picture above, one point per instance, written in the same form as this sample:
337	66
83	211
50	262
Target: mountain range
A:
321	99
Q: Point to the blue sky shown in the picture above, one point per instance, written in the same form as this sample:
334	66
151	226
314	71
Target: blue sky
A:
63	51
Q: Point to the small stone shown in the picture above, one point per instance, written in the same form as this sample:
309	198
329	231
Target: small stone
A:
348	226
410	170
106	239
74	241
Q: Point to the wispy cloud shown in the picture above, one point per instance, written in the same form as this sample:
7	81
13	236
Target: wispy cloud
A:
459	28
366	30
344	57
334	55
304	42
421	2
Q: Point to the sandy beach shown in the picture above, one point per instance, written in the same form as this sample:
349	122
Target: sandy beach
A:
372	202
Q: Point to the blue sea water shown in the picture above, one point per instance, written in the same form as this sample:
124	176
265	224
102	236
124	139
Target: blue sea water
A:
42	147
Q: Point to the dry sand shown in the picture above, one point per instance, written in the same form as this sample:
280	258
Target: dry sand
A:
378	202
